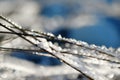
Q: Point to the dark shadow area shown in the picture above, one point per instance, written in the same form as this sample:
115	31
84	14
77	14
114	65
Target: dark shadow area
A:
42	60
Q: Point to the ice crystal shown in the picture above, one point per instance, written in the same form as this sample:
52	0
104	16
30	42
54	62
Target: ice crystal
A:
50	34
59	36
56	48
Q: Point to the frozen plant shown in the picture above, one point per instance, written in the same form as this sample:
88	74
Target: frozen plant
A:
94	62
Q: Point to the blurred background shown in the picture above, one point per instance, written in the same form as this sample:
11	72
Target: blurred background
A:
93	21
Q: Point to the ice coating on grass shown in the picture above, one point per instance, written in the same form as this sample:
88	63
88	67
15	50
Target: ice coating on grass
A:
54	47
50	34
99	63
107	65
44	44
84	62
95	70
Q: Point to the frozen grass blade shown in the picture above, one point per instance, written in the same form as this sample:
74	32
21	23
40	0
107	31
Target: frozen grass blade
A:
19	28
74	57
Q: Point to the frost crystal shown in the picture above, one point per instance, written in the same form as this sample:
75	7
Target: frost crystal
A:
44	44
75	51
56	48
50	34
118	50
59	36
